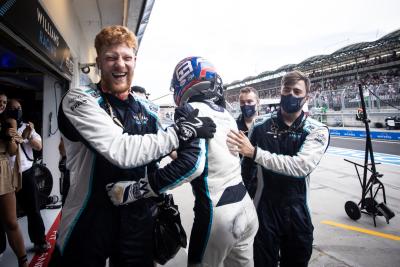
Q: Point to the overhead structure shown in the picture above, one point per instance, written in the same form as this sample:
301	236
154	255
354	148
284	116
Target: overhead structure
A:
96	14
352	54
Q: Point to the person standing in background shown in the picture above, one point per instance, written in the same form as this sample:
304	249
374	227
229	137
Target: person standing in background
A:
3	240
10	182
140	91
28	196
249	102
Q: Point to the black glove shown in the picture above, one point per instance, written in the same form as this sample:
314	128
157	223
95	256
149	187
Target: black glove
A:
188	126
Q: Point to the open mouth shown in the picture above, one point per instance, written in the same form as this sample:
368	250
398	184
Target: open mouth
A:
119	75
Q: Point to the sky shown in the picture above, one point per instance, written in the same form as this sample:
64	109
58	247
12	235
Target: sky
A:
247	37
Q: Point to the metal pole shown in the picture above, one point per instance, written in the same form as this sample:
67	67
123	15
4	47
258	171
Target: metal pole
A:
367	132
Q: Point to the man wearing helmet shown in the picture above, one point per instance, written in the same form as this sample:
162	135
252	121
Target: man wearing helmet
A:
225	220
106	136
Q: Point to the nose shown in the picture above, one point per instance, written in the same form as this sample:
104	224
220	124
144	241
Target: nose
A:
120	62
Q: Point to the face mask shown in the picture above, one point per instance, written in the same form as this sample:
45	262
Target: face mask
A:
248	110
291	104
15	114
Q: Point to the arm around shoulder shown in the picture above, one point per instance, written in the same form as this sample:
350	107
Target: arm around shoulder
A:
97	129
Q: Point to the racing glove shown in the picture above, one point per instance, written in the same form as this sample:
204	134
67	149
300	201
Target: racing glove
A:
126	192
188	126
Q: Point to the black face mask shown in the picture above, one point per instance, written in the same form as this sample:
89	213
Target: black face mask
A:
291	104
248	110
15	114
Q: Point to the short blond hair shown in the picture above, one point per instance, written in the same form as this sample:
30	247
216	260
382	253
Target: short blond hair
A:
115	34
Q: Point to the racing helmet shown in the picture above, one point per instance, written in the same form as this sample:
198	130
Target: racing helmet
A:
195	76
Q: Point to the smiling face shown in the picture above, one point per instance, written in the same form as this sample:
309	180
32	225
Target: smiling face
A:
117	64
3	103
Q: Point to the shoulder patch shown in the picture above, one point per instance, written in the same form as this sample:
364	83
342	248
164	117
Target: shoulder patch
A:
312	124
320	138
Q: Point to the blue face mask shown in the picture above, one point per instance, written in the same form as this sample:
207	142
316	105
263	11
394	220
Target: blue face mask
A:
291	104
248	110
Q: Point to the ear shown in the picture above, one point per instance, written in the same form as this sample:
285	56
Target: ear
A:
98	63
305	100
134	60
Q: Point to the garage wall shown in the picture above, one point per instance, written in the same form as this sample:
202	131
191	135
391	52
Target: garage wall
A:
64	17
52	93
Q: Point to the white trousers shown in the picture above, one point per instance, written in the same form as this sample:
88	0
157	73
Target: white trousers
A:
232	235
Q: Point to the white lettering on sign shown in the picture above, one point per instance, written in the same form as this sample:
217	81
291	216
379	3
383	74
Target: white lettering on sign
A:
46	25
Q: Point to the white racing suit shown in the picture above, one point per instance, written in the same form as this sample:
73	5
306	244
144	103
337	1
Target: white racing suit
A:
225	220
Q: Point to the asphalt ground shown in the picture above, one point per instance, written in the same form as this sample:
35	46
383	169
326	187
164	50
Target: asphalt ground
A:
381	146
338	240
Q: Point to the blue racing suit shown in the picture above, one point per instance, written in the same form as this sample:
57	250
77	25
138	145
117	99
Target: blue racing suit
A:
105	142
286	156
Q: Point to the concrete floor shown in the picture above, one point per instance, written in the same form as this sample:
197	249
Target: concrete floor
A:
332	184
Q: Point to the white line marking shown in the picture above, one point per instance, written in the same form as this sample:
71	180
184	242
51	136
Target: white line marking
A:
363	139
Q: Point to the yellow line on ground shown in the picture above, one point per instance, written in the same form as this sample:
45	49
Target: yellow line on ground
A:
362	230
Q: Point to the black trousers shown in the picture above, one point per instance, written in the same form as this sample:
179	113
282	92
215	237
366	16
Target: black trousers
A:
3	240
123	234
28	200
285	234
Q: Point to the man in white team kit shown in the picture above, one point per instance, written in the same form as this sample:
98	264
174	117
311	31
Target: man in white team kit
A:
109	137
225	220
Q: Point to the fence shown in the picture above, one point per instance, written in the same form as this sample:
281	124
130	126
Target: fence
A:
377	97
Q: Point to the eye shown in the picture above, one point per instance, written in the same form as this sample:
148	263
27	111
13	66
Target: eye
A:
110	58
297	92
129	58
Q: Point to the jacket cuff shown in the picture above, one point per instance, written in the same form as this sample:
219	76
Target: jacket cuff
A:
255	153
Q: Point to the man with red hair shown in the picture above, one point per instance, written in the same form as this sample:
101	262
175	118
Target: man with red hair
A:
106	137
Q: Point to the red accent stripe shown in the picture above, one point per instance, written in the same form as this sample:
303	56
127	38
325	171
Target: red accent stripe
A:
204	71
42	260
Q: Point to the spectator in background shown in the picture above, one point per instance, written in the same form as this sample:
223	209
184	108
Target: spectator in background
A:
62	167
3	102
288	146
10	182
28	195
3	241
140	91
249	102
